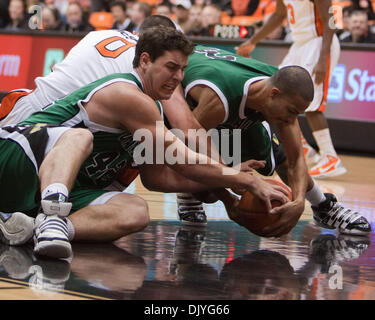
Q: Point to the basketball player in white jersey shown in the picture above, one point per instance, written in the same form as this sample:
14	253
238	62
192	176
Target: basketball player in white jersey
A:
97	55
317	49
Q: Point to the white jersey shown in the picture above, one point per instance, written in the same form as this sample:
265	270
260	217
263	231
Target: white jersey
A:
304	21
97	55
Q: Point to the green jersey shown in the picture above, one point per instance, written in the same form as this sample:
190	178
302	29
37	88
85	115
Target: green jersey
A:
112	148
230	76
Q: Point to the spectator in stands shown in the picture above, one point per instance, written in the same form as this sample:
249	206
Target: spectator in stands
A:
344	32
139	12
62	6
163	9
4	14
122	21
18	16
75	21
210	16
365	5
359	29
182	12
244	7
51	19
196	20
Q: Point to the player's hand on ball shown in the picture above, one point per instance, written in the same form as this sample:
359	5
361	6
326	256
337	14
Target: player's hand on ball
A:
268	192
290	213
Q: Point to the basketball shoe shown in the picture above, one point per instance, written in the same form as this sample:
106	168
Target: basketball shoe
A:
330	214
328	166
16	228
327	249
310	154
51	230
190	210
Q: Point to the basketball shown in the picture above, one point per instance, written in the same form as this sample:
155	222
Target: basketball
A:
253	210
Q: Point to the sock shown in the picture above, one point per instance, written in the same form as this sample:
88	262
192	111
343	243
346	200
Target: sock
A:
324	142
315	196
55	188
71	230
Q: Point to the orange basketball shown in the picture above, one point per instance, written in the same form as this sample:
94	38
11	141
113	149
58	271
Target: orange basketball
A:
253	210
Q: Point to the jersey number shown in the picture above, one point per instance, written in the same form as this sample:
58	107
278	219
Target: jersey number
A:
105	52
290	9
214	53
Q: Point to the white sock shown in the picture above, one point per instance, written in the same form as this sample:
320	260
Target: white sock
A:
324	142
315	195
55	188
71	230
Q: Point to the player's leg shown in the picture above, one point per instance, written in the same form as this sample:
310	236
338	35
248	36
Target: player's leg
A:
57	173
329	164
108	217
295	57
22	152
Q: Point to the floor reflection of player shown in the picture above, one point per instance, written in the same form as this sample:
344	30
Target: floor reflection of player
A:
107	267
104	270
260	275
19	263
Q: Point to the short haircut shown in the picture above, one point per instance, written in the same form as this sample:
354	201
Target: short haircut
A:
118	4
156	21
294	80
156	41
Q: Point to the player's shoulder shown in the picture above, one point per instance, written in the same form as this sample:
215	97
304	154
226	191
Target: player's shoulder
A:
101	35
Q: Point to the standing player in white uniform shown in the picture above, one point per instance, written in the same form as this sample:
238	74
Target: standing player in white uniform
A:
316	48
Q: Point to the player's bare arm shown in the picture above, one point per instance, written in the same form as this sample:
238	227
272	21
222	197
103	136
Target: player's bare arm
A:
326	16
271	24
297	180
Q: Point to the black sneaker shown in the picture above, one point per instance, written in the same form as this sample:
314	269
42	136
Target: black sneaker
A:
330	214
190	210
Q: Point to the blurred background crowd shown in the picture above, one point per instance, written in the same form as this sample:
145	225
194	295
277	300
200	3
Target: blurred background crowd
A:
355	19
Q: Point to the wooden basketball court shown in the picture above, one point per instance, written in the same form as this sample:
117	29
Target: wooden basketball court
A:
167	261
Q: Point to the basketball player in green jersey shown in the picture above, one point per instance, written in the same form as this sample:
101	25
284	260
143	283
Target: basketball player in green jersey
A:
229	91
113	109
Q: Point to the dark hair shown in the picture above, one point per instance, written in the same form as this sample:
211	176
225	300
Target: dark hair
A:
155	41
156	21
294	80
118	4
